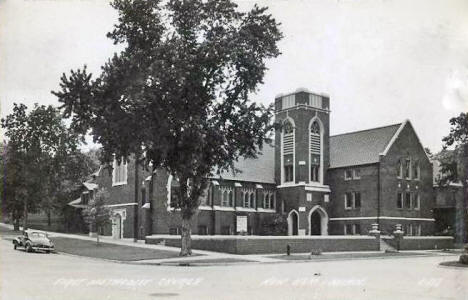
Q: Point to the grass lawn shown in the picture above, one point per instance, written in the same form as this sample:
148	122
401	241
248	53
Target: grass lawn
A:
9	232
109	251
453	264
342	256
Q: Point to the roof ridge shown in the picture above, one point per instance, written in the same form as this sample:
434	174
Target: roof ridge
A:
369	129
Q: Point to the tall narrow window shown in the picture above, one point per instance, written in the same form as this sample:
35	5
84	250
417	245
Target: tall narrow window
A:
408	168
246	199
227	197
252	200
175	191
119	173
416	170
231	200
348	200
357	229
315	151
400	169
266	200
416	201
357	200
288	152
400	200
408	200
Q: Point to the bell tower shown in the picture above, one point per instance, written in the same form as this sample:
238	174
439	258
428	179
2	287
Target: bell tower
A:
302	156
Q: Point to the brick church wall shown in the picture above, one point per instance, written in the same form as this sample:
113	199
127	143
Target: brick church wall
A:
406	145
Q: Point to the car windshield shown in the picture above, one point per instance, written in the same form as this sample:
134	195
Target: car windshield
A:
37	235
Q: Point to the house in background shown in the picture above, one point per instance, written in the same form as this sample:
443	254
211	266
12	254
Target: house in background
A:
319	184
449	198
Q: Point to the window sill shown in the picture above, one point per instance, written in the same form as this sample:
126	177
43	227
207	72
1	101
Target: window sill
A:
268	210
223	208
119	183
246	209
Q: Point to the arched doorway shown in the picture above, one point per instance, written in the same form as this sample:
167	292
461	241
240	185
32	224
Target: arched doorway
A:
315	223
118	217
318	221
293	223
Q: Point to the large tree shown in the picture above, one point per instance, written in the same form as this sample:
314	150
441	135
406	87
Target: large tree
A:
39	144
180	90
454	168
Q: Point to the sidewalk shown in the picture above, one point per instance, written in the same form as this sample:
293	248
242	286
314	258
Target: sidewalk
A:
206	258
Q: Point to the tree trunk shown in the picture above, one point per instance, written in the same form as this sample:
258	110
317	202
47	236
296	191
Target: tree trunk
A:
25	214
49	223
97	237
186	238
16	223
135	207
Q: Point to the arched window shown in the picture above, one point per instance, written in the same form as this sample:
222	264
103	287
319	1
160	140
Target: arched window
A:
400	169
315	147
224	198
252	200
246	199
231	199
266	200
416	170
288	151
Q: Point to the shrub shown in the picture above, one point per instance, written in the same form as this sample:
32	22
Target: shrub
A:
464	258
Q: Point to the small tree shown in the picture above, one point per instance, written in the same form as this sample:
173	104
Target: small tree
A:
454	168
97	214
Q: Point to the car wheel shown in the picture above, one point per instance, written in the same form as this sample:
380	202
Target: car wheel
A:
15	246
29	248
47	251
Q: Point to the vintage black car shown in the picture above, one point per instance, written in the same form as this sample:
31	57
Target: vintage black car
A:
34	240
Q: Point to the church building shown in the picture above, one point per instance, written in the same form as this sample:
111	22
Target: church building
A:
307	183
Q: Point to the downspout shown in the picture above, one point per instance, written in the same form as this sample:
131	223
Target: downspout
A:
379	190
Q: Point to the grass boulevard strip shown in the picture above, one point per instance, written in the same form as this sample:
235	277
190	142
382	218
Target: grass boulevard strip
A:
146	255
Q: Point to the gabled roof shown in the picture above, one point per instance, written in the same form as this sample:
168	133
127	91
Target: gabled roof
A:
260	169
90	186
76	203
362	147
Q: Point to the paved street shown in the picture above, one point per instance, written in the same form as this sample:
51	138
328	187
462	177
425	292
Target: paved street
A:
41	276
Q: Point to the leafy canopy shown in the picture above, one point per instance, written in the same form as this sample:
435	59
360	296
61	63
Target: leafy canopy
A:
453	157
180	90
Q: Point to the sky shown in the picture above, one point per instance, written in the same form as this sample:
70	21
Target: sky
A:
380	61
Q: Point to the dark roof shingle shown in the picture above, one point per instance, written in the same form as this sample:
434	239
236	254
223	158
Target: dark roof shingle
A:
260	169
360	147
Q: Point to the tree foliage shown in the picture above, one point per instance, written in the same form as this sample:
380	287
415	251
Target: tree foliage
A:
180	90
39	149
452	157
